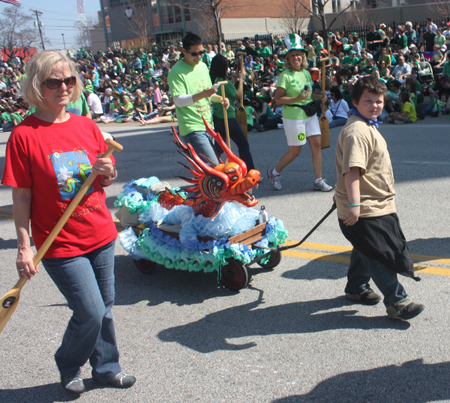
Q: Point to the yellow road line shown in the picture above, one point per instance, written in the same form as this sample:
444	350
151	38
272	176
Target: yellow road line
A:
439	271
6	213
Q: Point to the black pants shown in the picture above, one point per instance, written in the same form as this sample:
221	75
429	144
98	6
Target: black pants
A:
238	136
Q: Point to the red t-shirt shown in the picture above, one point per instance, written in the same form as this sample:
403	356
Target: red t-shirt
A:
53	160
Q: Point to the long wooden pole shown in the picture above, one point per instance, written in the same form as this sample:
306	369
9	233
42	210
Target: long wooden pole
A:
9	301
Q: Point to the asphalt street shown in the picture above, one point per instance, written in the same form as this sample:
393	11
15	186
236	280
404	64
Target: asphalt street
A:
291	336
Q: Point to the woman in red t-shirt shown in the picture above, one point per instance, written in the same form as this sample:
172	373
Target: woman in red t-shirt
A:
48	157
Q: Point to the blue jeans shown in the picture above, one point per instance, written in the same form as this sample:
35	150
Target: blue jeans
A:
87	283
362	268
238	136
428	109
150	115
200	141
337	122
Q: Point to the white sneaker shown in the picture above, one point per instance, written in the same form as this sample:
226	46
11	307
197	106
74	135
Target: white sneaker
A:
274	179
322	186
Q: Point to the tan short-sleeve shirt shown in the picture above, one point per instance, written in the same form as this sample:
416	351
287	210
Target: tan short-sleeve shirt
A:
362	145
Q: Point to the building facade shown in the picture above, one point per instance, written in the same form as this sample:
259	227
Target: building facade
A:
127	22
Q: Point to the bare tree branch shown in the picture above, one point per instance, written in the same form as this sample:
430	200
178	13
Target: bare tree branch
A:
16	31
139	23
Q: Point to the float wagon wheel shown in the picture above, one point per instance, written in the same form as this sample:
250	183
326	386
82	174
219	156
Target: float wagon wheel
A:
145	266
274	260
234	275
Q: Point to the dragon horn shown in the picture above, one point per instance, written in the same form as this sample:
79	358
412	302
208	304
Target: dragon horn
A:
189	180
195	173
231	157
177	140
194	164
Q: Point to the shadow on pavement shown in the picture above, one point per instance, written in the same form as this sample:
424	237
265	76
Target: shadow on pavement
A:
254	320
422	246
413	381
319	269
52	392
164	285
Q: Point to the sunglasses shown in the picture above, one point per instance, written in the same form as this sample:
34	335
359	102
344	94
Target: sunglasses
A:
199	53
55	83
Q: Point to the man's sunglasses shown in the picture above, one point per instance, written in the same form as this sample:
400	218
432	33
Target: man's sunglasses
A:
199	53
55	83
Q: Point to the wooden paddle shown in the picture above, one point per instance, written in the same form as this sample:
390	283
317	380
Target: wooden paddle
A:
323	120
241	113
10	300
225	115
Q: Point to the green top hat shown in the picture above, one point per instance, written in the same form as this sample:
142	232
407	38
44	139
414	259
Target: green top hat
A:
294	42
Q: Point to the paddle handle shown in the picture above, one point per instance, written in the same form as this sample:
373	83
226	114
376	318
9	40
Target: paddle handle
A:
225	116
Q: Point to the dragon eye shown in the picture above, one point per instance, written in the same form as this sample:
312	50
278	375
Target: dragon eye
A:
219	183
234	178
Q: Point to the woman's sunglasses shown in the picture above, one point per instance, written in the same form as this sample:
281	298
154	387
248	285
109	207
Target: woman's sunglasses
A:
199	53
55	83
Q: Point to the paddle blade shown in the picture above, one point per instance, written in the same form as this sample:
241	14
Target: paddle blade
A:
325	130
9	302
241	117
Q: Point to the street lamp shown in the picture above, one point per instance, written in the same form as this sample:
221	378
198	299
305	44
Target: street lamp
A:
64	42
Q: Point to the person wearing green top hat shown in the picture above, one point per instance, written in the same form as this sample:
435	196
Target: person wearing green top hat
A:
300	120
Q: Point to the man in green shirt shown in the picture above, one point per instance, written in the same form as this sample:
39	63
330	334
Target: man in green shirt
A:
191	90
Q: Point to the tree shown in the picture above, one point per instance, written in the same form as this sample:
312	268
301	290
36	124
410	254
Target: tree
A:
16	31
363	13
439	7
209	13
138	21
319	5
295	15
84	27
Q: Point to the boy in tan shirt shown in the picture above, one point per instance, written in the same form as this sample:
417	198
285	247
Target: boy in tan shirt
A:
365	199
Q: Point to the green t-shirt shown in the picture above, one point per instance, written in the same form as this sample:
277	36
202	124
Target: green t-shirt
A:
17	117
6	117
269	111
266	52
230	93
185	79
126	105
410	111
446	70
79	107
118	67
250	111
294	82
439	40
347	60
402	42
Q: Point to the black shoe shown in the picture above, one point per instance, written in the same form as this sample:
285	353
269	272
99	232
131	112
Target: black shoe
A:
122	380
73	385
409	312
259	127
367	297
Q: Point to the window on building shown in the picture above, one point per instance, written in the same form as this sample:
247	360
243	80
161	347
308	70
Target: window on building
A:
187	13
155	13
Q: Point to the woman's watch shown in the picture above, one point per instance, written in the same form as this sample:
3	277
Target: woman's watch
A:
108	180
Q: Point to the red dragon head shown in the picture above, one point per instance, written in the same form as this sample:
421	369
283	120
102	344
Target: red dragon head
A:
213	187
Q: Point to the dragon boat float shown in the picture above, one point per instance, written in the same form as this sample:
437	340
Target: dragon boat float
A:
198	227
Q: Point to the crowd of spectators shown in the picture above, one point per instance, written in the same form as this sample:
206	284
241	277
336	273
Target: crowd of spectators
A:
131	86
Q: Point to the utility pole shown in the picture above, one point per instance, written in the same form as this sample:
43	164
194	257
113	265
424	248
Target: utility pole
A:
64	42
39	25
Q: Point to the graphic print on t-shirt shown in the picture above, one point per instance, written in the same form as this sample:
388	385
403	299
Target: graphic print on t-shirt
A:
71	169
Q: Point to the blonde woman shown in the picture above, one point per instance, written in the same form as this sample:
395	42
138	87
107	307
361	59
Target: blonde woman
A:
301	124
61	149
